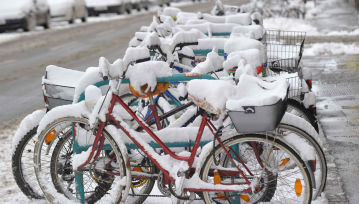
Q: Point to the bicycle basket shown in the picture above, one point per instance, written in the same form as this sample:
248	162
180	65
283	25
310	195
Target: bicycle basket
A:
259	118
59	86
284	50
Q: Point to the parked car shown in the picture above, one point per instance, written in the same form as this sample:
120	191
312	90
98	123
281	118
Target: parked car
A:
96	7
68	10
140	4
161	2
25	14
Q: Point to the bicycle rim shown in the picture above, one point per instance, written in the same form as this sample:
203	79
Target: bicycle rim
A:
319	165
78	185
284	178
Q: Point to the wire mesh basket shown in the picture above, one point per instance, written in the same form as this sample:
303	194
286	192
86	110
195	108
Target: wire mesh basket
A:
284	50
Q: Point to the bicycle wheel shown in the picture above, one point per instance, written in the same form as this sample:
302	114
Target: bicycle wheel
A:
104	174
317	164
23	166
274	170
296	108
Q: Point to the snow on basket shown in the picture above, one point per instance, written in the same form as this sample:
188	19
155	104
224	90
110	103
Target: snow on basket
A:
263	105
59	85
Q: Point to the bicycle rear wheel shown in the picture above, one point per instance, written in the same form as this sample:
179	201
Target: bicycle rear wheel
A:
300	141
274	169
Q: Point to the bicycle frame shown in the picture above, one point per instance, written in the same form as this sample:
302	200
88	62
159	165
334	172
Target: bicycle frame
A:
99	142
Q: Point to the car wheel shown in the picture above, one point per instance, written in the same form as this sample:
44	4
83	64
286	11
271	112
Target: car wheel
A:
121	9
84	18
73	16
138	6
47	21
30	23
128	9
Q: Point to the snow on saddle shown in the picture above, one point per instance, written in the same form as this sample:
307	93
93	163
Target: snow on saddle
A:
215	96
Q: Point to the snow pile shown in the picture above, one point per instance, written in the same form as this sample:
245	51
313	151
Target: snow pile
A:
209	43
252	91
215	93
254	57
91	76
152	70
132	55
250	31
331	49
215	96
92	95
241	19
62	76
212	63
290	24
242	43
30	122
171	11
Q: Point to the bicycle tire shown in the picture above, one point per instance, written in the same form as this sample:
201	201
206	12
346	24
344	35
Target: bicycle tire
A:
322	164
297	108
42	163
58	167
243	141
18	167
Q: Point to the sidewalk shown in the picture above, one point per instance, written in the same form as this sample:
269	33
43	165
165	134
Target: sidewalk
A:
336	84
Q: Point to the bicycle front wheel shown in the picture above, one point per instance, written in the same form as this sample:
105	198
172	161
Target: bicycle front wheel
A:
268	169
102	179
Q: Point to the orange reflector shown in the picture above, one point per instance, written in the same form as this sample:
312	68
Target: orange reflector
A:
245	198
137	169
50	136
217	180
284	161
298	187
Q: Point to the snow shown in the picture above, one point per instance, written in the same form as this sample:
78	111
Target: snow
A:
62	76
210	95
212	63
242	43
254	57
90	77
331	49
171	11
241	19
28	123
92	95
132	55
252	91
290	24
72	110
257	31
215	96
153	70
210	43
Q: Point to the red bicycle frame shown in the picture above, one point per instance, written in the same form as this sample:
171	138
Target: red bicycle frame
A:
99	141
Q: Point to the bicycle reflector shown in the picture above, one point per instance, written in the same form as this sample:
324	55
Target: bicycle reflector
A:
298	187
50	136
245	198
284	161
217	180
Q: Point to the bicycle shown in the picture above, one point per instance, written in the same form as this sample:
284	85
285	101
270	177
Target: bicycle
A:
177	173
